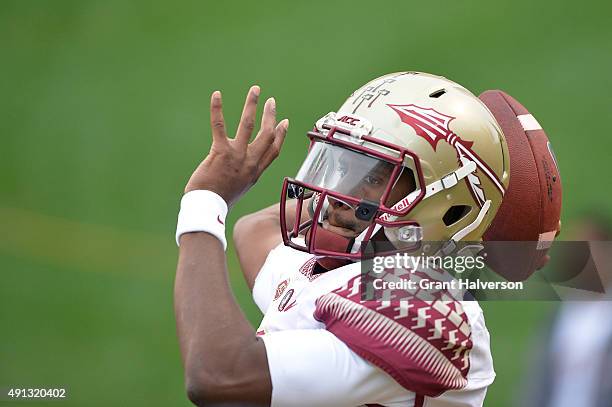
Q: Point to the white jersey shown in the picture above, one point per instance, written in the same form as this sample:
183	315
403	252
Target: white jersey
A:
327	347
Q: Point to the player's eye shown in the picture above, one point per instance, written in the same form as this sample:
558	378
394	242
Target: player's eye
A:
373	180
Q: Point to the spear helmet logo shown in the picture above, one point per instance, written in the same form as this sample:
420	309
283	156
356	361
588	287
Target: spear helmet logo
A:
433	126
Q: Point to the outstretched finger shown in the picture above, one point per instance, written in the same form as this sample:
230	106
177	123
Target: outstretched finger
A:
274	150
265	137
268	120
247	120
217	123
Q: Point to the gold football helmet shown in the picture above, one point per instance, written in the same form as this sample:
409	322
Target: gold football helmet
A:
408	158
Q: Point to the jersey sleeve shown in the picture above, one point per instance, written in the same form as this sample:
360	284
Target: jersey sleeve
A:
312	367
423	345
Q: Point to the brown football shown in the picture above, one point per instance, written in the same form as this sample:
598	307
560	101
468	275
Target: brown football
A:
531	207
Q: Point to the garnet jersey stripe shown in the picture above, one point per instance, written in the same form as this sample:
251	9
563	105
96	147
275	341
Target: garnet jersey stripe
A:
423	345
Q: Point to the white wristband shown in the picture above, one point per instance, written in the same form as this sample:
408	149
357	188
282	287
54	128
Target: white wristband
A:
202	211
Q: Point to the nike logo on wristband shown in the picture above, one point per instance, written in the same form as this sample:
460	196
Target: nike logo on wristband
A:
219	220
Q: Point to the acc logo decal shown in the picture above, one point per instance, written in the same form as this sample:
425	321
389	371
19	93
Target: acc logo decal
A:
284	304
280	289
348	119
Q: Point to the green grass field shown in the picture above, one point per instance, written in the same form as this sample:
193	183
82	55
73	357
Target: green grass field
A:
103	115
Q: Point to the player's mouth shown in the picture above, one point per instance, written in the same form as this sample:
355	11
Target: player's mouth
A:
339	230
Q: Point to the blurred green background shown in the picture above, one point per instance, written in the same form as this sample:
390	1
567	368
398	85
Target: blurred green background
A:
103	116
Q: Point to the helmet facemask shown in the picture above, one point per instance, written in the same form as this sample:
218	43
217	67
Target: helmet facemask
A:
348	189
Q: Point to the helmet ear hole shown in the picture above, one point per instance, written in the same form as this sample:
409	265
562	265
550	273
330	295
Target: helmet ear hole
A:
455	213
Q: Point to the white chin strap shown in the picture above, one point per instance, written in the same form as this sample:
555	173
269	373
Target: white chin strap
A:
472	226
450	246
450	180
444	183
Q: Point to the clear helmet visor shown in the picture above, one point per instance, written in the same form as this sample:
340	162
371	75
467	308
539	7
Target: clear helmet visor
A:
345	171
339	197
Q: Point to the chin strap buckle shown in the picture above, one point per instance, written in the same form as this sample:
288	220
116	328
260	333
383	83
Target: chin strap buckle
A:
449	180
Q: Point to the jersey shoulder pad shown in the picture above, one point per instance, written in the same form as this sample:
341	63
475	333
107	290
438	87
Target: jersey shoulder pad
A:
423	345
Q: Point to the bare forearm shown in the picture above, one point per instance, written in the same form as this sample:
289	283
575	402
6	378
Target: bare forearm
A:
204	304
224	361
218	344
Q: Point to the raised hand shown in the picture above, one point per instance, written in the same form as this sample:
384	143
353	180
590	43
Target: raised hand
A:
233	165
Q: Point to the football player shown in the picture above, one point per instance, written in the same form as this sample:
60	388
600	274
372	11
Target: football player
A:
408	158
